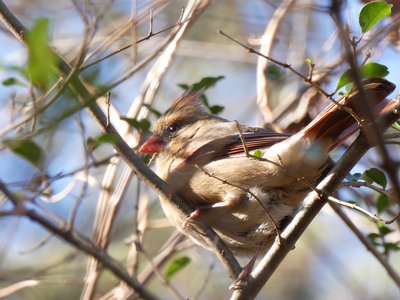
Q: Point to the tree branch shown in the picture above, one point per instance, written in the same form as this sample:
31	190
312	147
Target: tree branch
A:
77	240
371	248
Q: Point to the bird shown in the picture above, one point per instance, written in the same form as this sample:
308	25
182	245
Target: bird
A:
247	182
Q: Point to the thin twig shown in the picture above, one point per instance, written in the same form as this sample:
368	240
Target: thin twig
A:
368	185
371	248
39	244
108	102
77	240
304	77
147	37
276	227
355	206
246	151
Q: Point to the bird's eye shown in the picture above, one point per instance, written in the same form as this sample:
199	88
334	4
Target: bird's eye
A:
172	128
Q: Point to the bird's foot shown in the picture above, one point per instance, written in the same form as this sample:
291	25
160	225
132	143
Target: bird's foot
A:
193	216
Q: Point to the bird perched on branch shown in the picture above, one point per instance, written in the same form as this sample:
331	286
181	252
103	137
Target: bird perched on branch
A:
246	182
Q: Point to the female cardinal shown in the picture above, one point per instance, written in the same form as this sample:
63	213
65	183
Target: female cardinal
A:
208	161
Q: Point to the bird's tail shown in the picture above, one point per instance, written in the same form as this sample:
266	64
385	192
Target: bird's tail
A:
340	120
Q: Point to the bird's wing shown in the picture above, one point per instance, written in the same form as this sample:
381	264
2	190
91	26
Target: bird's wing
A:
235	144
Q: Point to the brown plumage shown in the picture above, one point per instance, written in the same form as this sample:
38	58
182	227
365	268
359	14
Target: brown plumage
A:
202	158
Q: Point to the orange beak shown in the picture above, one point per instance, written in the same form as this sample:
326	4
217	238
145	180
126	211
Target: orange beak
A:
153	145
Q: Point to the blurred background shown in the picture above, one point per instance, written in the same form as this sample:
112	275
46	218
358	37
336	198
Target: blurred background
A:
329	262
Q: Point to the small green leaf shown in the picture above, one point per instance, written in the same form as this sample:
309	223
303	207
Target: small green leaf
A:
146	158
273	72
396	125
391	246
353	177
382	203
373	236
375	239
152	110
258	153
205	83
366	71
308	61
177	265
13	81
384	229
216	109
141	125
105	138
372	13
27	149
183	86
375	175
41	60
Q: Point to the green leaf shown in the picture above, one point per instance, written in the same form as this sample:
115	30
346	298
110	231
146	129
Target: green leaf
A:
273	72
353	177
105	138
375	175
27	149
372	13
382	203
205	83
152	110
141	125
374	236
184	86
216	109
146	158
258	153
41	60
391	246
374	239
396	125
366	71
308	61
384	229
13	81
177	265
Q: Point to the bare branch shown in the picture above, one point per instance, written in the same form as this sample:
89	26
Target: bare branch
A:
77	240
382	260
305	78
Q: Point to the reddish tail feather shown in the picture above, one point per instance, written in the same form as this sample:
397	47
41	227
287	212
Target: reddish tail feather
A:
334	124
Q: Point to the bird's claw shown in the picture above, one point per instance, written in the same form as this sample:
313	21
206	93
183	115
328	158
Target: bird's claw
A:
193	216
